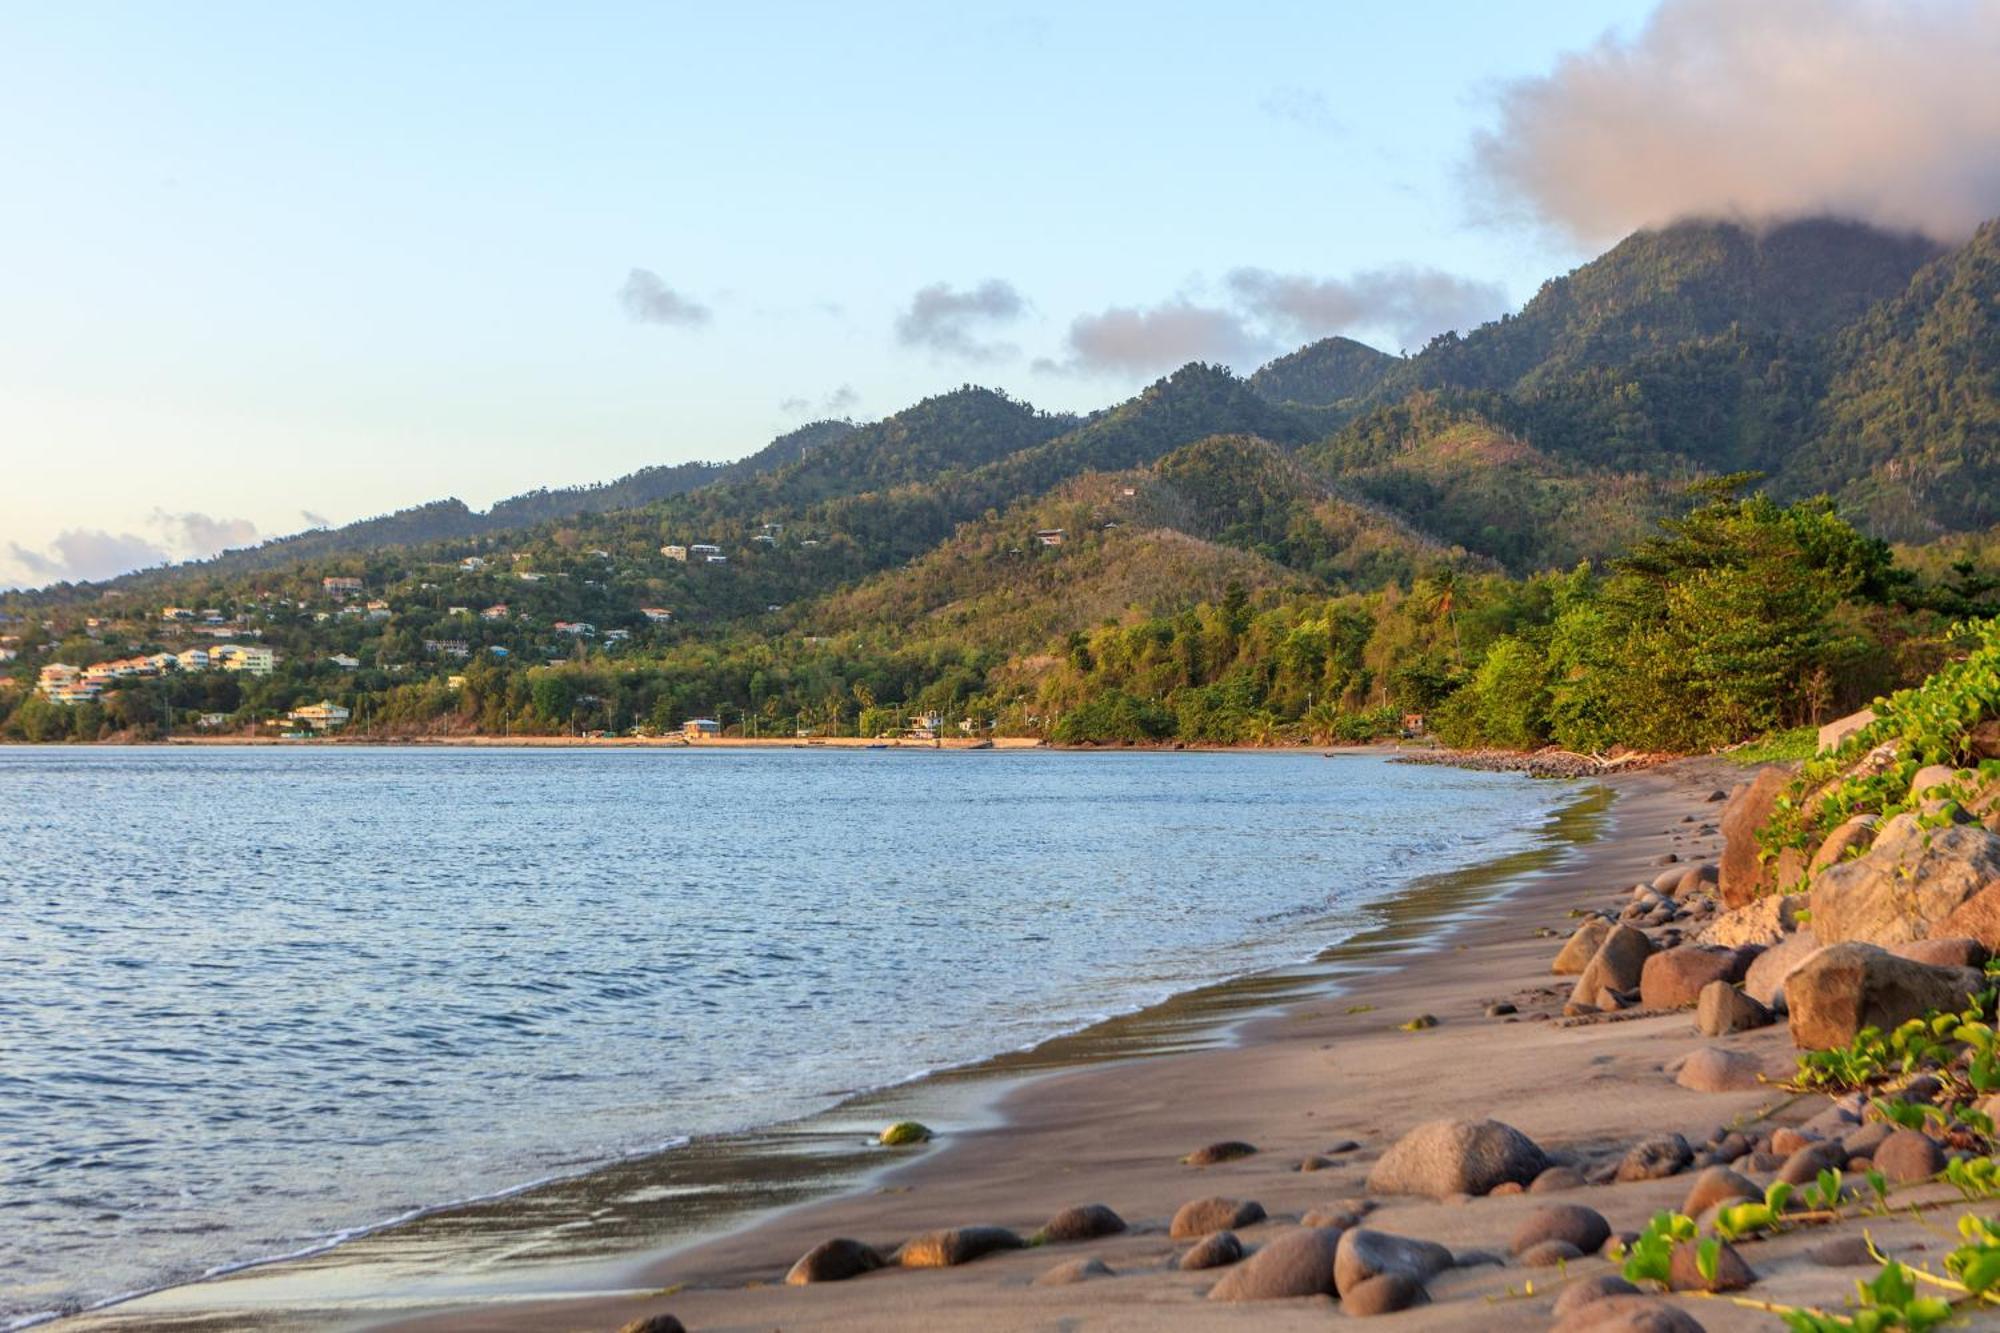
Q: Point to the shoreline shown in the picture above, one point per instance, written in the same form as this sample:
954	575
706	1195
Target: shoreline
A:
799	1166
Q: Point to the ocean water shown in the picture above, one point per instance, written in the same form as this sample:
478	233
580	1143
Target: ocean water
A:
251	999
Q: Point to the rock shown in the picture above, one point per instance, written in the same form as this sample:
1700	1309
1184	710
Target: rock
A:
1385	1293
1838	730
1475	1258
1332	1219
1865	1139
905	1132
1201	1216
1764	980
1744	875
1930	779
1684	1272
1946	950
1557	1179
1229	1150
1297	1263
1345	1145
1718	1184
657	1323
1316	1163
1908	1156
1420	1022
1721	1009
1581	947
1846	987
1654	1157
1732	1146
1086	1221
1907	884
1977	917
1842	1252
1362	1254
1668	881
1616	966
1673	979
1761	921
1587	1289
1853	836
1216	1250
1629	1314
954	1246
833	1260
1585	1228
1803	1166
1714	1069
1506	1187
1073	1272
1444	1157
1500	1009
1548	1254
1694	879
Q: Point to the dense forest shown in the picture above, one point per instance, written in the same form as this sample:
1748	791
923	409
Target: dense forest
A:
1649	509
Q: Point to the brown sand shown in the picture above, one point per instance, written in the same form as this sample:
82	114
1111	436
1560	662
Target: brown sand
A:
1298	1081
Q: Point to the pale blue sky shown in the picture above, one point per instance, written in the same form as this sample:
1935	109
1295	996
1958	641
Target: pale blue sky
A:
259	259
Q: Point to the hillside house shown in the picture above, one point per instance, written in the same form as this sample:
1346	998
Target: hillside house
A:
679	553
322	716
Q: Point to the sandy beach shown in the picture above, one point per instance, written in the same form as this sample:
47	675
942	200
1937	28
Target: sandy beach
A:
1322	1062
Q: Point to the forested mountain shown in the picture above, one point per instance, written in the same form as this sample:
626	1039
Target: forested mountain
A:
1324	373
1909	433
1343	531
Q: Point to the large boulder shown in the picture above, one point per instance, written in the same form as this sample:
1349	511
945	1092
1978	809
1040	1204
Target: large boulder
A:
1384	1293
1761	921
1764	979
1582	1227
1298	1263
1673	978
1838	730
1721	1009
1908	1156
1906	885
1085	1221
1199	1217
1363	1254
1846	987
833	1260
1714	1069
1616	966
954	1246
1978	918
1853	835
1581	947
1444	1157
1947	950
1743	874
1216	1250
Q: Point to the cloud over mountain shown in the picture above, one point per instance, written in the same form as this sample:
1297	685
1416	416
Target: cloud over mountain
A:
1411	304
1887	111
949	321
648	300
1142	340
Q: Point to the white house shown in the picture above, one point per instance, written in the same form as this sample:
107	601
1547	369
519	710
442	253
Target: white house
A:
322	716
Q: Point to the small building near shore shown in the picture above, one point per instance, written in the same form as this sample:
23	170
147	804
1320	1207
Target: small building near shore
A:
695	728
322	716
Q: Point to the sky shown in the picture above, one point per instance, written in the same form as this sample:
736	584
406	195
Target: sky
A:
266	266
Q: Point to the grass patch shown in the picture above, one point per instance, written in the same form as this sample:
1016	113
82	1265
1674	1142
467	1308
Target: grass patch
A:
1778	747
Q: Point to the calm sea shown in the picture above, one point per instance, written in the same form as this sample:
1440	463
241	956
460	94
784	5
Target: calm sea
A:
251	999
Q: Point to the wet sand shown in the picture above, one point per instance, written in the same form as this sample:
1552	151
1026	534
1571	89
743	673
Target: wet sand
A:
1292	1061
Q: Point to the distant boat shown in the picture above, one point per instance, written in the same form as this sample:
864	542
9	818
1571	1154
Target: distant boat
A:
980	745
877	746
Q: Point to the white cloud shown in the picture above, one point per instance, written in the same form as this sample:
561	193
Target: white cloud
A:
1887	111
